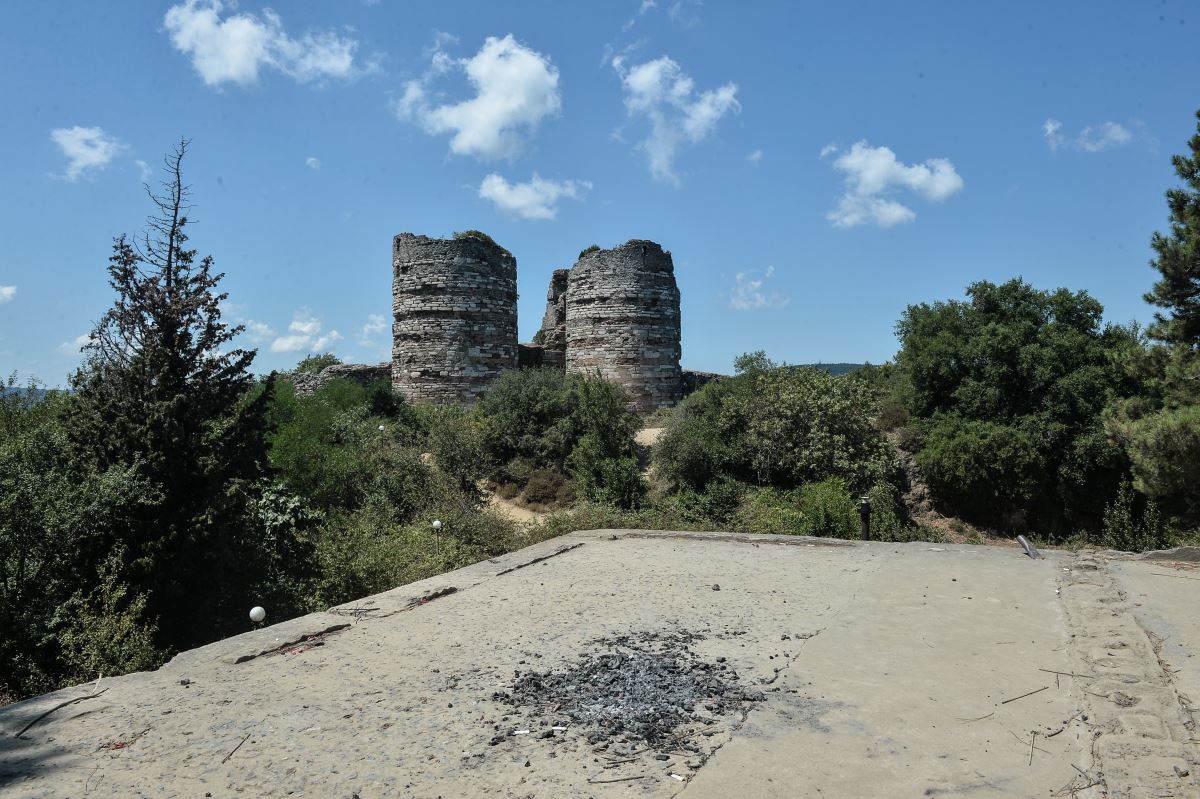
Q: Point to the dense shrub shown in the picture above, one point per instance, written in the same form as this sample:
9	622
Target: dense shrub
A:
317	362
535	421
1133	526
782	427
1007	389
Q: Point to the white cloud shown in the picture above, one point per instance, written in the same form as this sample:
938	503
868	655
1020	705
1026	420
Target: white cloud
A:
1103	137
76	345
679	14
236	48
536	199
828	149
1052	132
312	162
1092	139
7	293
748	293
660	91
259	332
873	174
377	324
304	335
144	169
87	150
755	157
515	89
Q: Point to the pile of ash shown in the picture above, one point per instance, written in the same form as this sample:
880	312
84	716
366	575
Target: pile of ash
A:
634	687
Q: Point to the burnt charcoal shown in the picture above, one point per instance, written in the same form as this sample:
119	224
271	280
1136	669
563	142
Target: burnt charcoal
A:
634	687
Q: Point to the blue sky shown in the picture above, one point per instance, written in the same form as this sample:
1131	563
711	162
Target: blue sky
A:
813	167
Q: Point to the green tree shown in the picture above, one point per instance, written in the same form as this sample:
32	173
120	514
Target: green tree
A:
775	426
1178	256
1159	428
1008	388
163	392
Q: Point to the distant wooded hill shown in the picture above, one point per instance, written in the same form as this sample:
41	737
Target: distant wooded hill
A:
833	368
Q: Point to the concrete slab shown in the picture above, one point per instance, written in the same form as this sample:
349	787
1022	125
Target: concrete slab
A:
887	670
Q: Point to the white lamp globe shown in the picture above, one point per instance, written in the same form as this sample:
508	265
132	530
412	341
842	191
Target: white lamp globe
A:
257	614
437	524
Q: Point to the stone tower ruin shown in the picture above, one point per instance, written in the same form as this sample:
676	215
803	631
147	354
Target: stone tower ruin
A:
454	312
622	320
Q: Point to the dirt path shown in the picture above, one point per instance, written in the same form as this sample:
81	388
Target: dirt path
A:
519	514
648	436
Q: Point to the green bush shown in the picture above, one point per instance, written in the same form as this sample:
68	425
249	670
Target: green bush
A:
586	250
775	426
829	510
478	234
1009	387
545	420
1128	530
543	487
986	472
771	510
107	632
315	363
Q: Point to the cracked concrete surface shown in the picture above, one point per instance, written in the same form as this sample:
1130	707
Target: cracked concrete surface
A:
888	670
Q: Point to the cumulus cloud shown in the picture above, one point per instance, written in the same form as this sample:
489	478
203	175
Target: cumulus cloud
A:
235	48
666	97
515	89
754	157
259	332
1104	136
536	199
7	293
75	345
749	294
377	324
312	162
88	150
874	175
1052	133
1092	139
304	335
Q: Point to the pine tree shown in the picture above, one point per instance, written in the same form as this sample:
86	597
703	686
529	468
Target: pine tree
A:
162	390
1178	257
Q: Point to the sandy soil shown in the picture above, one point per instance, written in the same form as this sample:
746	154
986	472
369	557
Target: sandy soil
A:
648	436
887	670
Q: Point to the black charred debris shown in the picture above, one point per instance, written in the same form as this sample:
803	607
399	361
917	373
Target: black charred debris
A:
638	687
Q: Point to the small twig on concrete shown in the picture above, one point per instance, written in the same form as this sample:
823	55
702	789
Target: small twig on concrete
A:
59	706
1022	741
618	779
1056	732
1071	674
981	718
1032	741
239	746
1176	576
1022	696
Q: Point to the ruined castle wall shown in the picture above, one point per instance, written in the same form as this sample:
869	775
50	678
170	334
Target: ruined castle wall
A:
311	382
554	322
623	321
454	307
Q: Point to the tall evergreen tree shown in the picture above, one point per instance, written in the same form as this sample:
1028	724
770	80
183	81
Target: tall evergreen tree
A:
161	390
1178	256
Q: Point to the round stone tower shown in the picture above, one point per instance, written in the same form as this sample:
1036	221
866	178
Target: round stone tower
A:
623	321
454	317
